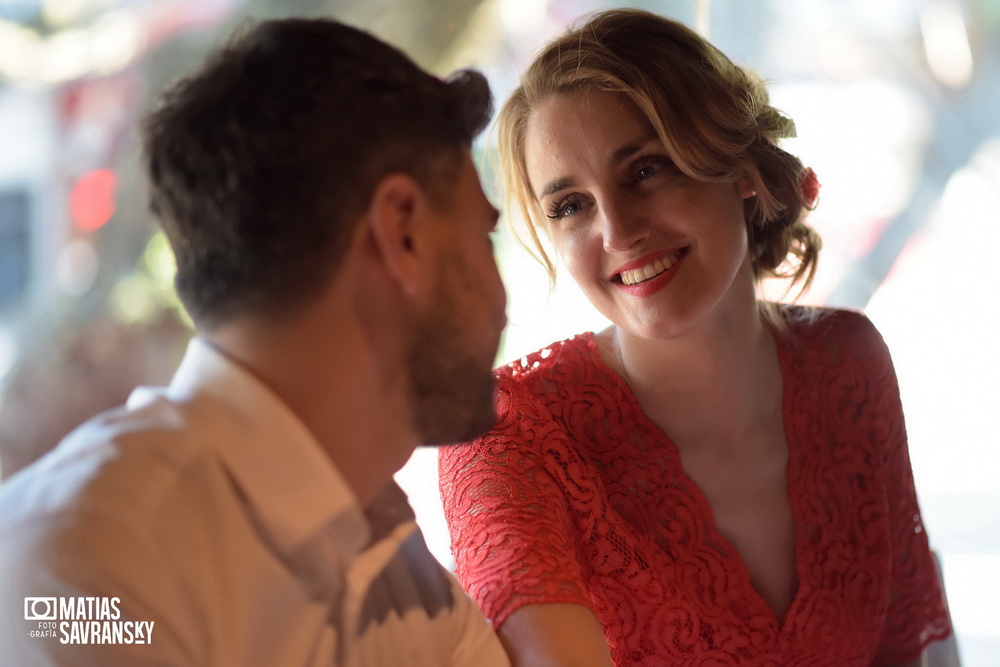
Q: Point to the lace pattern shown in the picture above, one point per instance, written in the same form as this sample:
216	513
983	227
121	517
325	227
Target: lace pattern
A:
576	496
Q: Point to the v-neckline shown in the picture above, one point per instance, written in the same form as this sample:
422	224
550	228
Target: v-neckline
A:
735	562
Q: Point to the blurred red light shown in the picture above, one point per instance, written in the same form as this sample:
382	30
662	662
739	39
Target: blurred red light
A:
92	199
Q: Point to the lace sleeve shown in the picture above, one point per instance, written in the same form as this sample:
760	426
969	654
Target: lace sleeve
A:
917	614
511	525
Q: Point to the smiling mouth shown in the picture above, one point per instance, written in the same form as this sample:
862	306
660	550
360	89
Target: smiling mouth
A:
649	271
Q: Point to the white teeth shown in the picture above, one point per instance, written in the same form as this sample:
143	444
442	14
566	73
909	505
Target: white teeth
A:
651	270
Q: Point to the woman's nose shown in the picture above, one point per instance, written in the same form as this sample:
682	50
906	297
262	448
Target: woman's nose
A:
624	227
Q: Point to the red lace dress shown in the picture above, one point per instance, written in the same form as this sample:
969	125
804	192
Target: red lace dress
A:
577	497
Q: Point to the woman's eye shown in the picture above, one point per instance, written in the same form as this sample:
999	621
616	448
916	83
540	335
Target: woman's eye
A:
646	172
648	167
562	209
652	166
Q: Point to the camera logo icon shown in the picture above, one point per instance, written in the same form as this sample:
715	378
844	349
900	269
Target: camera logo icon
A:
40	609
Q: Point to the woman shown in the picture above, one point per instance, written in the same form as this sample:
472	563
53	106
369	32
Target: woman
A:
713	480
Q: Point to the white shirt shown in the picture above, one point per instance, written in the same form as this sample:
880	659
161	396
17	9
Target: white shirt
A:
210	519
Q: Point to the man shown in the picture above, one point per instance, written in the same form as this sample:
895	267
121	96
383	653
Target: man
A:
332	246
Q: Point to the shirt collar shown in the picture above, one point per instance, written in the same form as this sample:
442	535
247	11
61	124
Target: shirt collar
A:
290	483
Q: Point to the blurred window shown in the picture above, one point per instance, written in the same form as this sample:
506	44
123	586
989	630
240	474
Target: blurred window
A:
15	247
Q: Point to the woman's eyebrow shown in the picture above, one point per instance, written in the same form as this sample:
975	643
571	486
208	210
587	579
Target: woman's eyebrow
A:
616	158
625	152
555	186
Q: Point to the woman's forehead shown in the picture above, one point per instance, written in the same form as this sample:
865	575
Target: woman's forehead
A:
591	126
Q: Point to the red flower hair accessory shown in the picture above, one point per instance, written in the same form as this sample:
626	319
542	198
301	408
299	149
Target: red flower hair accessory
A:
810	187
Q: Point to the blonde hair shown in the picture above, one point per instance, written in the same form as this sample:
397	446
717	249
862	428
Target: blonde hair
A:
713	117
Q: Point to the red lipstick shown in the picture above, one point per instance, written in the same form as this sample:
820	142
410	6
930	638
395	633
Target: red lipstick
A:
654	284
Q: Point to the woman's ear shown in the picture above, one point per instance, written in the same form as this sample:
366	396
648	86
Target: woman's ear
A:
397	217
745	187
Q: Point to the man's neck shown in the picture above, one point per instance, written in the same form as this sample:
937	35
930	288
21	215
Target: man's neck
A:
333	382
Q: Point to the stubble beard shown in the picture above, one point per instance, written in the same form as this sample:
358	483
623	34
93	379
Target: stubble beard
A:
451	380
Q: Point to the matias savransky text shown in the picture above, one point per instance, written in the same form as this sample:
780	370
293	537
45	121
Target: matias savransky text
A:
85	620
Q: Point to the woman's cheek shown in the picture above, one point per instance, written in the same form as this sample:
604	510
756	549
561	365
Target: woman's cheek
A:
573	247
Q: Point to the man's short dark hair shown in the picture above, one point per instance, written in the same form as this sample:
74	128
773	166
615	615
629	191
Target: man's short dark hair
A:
261	162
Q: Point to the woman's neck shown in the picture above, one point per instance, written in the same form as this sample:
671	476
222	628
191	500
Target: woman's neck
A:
715	384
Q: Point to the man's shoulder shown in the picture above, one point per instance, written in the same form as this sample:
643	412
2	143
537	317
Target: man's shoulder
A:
122	463
133	503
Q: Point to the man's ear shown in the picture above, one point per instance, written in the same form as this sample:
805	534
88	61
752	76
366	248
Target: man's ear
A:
398	216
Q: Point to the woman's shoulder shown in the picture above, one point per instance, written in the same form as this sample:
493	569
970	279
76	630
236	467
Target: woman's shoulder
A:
530	395
805	319
836	334
542	367
537	389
